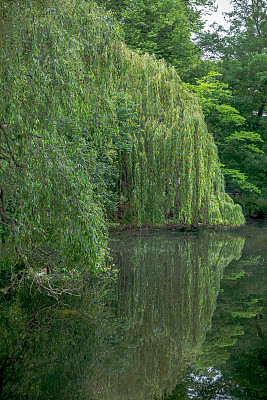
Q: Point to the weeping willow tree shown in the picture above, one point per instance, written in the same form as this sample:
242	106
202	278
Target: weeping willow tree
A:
173	168
86	124
49	168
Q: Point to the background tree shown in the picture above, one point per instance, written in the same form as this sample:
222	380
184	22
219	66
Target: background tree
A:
242	57
238	149
162	27
239	54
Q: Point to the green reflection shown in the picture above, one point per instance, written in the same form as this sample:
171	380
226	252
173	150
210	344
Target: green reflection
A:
168	288
131	339
233	361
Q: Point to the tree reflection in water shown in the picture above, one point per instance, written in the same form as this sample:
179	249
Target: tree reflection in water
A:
168	289
138	337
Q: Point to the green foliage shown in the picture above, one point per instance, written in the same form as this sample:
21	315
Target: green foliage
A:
243	136
45	169
241	179
211	92
236	275
223	120
165	29
168	157
162	28
85	118
239	54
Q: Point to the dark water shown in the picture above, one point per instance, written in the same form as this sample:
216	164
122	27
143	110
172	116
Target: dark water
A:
185	319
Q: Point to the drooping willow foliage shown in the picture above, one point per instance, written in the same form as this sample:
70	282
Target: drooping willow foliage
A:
86	123
46	196
173	167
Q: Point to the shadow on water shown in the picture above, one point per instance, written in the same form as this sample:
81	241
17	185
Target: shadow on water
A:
184	319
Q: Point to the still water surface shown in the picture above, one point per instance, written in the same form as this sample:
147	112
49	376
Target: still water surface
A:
194	303
185	319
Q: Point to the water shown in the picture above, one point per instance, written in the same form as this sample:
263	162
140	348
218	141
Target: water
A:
185	319
194	303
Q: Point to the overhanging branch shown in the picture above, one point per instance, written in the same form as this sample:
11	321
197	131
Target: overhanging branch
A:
11	221
3	129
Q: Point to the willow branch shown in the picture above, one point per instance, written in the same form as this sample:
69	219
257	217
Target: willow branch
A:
3	129
11	221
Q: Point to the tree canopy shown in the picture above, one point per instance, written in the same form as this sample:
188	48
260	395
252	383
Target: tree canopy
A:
239	55
173	30
162	28
79	109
